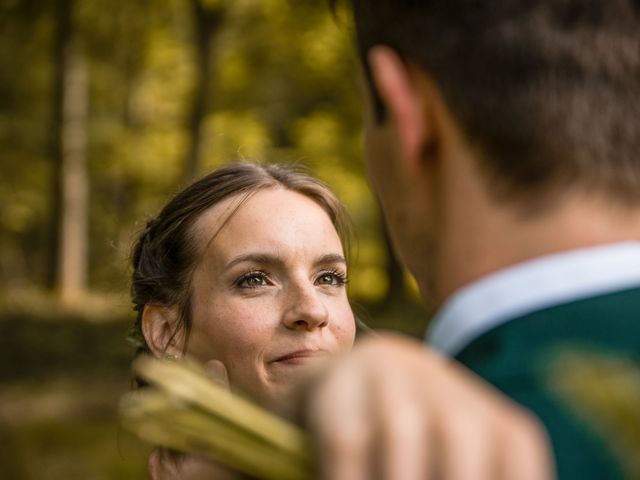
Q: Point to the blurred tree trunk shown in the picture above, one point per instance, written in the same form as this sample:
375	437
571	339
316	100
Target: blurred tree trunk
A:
207	18
396	292
70	192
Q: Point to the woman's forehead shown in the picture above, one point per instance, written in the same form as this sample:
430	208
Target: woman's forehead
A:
270	219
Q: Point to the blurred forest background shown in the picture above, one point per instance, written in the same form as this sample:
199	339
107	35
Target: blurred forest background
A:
108	108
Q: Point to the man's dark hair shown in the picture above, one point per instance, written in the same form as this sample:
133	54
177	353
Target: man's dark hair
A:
548	90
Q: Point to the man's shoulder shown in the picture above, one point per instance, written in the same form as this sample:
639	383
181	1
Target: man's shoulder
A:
577	366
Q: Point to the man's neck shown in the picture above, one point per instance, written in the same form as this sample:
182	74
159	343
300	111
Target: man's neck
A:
488	238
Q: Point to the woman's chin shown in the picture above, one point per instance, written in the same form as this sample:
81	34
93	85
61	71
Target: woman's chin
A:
283	383
291	371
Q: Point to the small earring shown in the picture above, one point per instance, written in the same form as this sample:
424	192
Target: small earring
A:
170	358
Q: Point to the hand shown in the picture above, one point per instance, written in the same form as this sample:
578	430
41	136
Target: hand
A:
165	464
394	409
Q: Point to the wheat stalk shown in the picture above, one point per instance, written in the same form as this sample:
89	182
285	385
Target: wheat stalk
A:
184	410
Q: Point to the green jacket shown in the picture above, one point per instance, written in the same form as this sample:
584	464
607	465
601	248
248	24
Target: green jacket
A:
577	367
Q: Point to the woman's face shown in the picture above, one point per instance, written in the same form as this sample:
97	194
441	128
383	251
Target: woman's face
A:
268	295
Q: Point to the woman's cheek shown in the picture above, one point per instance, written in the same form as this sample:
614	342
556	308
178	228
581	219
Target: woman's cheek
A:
344	324
246	332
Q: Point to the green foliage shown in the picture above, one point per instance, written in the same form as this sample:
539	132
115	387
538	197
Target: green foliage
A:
283	90
24	105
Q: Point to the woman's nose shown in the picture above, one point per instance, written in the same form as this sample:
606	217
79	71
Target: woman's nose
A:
305	310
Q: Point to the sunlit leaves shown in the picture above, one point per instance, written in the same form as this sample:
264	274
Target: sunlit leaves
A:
283	89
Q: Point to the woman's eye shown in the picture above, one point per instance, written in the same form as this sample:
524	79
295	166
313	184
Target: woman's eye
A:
252	280
332	278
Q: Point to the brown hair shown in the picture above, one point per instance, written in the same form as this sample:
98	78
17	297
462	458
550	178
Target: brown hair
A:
165	254
548	90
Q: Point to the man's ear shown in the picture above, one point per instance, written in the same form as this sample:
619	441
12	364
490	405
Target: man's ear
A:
162	330
403	98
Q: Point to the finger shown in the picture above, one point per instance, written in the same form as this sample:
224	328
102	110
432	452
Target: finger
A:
402	429
217	372
163	464
477	429
338	415
526	452
196	467
153	465
466	445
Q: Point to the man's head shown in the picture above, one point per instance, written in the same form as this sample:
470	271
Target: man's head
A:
544	97
548	91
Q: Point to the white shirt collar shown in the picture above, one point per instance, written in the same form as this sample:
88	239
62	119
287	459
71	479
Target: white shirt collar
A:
530	286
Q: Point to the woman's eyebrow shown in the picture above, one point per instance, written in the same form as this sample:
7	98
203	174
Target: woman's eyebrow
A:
269	259
264	258
330	258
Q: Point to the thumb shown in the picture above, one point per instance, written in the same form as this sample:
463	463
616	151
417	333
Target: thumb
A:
217	372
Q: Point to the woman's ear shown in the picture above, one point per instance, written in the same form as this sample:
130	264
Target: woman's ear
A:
162	330
404	98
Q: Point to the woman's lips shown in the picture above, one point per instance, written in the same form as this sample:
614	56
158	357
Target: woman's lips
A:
299	356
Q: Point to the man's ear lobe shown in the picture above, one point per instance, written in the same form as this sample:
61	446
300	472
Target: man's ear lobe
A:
402	98
162	330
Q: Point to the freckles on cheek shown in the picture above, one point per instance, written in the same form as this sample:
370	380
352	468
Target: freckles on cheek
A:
242	330
344	334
